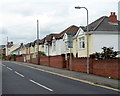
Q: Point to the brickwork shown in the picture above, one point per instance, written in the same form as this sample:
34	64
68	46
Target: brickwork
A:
45	60
20	59
34	60
57	61
79	65
107	67
12	59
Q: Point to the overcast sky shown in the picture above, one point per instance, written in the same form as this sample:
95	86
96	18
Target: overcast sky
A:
18	17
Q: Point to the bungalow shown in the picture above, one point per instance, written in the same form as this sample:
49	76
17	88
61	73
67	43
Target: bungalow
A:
55	43
28	48
48	44
71	31
32	47
102	33
11	50
40	43
2	50
18	51
23	50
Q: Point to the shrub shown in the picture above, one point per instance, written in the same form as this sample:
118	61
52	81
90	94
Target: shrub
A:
105	54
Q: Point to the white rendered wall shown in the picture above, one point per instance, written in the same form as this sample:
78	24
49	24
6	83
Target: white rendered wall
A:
105	40
60	48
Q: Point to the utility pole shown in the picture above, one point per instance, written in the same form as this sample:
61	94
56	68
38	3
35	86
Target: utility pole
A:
38	57
70	45
70	60
7	47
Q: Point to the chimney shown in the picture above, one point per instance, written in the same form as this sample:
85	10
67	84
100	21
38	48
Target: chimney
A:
11	43
21	44
8	43
113	18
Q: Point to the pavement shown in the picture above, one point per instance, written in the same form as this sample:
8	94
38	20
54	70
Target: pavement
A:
106	81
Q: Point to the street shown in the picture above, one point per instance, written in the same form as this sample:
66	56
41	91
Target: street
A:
17	79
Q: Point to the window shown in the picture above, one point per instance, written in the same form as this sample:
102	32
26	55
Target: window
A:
36	49
66	45
46	48
53	45
82	43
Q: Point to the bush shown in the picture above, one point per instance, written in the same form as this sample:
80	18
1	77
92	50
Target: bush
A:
13	55
43	54
107	53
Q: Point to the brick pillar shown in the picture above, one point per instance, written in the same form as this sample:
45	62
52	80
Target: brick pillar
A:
48	60
67	64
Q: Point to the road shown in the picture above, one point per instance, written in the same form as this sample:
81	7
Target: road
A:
17	79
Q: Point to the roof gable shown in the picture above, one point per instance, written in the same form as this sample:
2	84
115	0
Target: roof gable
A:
79	32
72	30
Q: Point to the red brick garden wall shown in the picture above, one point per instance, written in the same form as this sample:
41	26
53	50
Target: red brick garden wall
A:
107	67
57	61
53	61
12	59
34	60
20	59
45	60
79	64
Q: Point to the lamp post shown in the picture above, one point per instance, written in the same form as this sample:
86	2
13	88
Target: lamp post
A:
87	38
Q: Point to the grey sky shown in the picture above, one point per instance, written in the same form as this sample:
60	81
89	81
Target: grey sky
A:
19	17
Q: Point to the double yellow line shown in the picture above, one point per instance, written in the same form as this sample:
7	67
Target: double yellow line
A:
70	77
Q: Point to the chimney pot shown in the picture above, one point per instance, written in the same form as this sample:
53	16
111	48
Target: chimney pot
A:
21	44
113	13
113	18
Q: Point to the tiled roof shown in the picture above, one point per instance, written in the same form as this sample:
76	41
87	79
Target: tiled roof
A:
27	45
17	49
2	46
72	30
42	41
32	44
48	38
39	41
36	42
102	24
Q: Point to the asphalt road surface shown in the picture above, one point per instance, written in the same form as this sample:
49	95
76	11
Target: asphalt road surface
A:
17	79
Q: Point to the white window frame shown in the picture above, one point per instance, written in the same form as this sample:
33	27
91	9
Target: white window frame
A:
82	42
35	49
53	45
46	48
